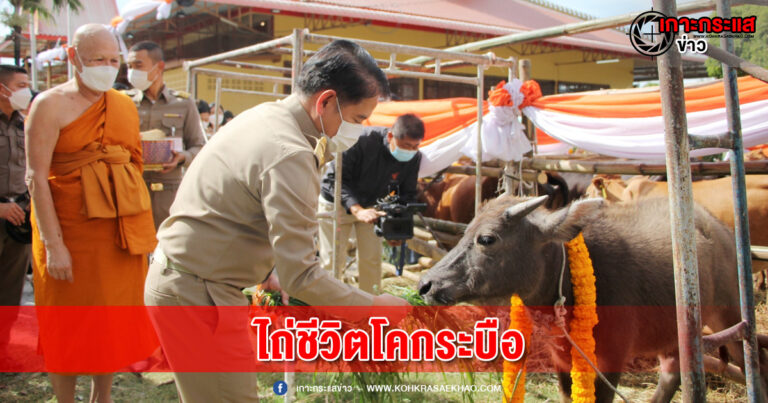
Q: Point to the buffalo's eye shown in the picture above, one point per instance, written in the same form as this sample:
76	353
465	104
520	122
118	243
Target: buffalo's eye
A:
486	240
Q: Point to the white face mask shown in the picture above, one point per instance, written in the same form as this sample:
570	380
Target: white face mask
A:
212	118
20	99
139	79
97	78
347	134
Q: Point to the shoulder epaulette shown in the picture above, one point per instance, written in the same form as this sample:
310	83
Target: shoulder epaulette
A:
181	94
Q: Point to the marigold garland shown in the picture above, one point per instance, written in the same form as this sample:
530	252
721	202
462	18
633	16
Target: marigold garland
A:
584	320
519	320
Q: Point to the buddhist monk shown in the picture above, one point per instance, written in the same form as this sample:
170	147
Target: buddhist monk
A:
91	222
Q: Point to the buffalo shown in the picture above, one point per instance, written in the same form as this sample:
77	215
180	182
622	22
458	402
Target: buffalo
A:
515	246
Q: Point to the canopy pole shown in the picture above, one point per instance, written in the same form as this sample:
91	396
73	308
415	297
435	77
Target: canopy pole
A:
509	167
682	222
70	72
218	105
33	50
741	220
479	156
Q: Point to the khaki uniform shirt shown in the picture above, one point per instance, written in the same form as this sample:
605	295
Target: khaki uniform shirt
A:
175	113
248	203
13	165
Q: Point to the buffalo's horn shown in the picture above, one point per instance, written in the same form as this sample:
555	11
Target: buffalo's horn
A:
523	209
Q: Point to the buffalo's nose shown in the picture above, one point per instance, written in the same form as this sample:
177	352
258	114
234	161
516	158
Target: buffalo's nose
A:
424	287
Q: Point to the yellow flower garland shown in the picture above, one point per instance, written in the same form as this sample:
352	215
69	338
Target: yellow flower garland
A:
518	319
584	320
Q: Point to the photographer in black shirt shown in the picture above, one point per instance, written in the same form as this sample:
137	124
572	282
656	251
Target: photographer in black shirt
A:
382	161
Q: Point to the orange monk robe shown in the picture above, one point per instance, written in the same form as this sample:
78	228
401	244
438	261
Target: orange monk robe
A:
104	210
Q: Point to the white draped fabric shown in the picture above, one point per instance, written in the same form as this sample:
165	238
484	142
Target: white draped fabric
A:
622	137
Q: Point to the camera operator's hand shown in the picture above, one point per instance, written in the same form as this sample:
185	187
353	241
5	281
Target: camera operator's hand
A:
366	215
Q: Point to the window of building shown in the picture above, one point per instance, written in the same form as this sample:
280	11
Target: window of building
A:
565	87
404	88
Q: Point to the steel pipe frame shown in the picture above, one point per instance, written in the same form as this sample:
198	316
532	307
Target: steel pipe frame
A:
741	220
380	62
488	59
642	167
698	141
242	76
479	156
259	47
255	66
432	76
683	235
218	103
728	58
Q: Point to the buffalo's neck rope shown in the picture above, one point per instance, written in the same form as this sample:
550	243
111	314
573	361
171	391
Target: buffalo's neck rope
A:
583	369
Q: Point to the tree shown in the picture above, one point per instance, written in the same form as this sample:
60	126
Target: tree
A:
754	49
20	17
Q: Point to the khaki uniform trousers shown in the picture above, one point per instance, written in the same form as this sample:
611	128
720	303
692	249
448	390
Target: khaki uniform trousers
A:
368	247
161	202
14	260
182	344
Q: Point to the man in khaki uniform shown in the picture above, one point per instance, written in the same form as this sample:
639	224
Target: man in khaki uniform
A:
171	111
248	203
14	255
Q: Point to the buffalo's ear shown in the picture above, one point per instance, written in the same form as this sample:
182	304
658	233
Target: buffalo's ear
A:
564	224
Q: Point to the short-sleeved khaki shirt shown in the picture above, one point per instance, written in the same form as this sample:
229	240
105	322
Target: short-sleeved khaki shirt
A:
249	202
13	166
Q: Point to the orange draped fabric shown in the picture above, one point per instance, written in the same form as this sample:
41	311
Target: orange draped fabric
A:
442	117
109	250
640	103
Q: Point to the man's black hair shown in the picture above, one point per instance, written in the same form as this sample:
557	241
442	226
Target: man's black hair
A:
408	125
8	70
346	68
202	107
154	50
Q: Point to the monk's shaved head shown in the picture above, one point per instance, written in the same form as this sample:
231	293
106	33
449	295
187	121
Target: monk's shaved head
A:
94	45
94	37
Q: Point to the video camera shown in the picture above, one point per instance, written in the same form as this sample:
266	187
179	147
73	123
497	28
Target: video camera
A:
397	224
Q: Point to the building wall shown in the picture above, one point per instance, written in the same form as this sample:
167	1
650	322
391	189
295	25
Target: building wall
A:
551	64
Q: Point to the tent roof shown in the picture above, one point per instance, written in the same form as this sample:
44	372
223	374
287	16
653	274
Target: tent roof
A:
492	17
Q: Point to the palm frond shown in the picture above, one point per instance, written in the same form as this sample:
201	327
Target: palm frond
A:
74	5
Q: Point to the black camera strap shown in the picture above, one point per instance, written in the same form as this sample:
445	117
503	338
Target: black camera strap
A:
401	262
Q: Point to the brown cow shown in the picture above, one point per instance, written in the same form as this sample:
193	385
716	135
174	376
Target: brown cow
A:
452	197
715	195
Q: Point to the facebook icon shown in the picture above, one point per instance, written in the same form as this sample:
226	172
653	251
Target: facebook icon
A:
280	388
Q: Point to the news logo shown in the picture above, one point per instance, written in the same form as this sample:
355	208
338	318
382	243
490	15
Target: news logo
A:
653	33
645	36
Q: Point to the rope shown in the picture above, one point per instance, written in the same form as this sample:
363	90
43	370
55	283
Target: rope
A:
560	322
